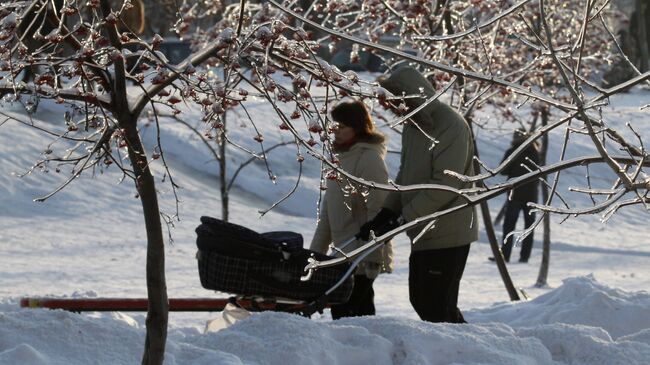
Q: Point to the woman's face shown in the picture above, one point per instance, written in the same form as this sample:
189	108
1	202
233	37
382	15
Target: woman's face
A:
343	134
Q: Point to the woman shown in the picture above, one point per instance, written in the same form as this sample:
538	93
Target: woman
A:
361	151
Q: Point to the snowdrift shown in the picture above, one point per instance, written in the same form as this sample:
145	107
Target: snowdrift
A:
581	322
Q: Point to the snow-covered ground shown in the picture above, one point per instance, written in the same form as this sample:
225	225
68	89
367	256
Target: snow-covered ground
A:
89	241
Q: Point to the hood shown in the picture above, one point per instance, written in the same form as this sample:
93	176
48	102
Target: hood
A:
409	81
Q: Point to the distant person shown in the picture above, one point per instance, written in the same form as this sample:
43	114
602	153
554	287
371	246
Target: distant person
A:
435	139
361	151
520	197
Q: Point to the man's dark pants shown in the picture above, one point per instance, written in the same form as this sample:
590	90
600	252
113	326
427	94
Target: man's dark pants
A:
434	281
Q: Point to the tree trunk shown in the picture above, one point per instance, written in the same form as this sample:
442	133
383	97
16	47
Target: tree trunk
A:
157	314
641	34
223	181
489	230
542	277
496	252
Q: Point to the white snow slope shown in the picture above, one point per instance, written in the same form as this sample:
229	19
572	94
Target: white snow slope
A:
88	241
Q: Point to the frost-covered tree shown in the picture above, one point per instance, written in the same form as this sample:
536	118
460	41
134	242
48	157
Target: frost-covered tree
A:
511	56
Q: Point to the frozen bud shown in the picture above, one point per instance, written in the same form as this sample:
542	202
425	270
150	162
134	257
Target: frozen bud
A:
174	100
156	41
259	138
69	10
227	36
111	19
189	93
54	36
326	69
315	126
284	95
45	79
354	54
311	142
264	34
352	76
220	89
116	55
278	27
160	77
299	82
304	93
217	109
189	70
382	96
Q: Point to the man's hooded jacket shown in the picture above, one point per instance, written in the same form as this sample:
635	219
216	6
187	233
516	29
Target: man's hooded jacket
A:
441	140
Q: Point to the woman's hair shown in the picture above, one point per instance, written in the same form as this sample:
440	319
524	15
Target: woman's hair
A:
354	114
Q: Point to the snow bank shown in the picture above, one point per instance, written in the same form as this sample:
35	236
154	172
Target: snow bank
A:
573	324
579	300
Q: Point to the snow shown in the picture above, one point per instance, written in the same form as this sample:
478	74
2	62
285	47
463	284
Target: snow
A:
88	241
581	322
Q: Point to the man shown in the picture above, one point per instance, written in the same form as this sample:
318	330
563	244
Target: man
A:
435	139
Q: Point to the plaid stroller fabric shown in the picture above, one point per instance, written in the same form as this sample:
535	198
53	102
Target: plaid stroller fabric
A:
267	264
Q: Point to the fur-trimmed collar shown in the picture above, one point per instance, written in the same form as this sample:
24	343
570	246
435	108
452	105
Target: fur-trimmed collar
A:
376	138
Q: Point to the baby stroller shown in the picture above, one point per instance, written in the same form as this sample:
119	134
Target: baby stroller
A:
268	266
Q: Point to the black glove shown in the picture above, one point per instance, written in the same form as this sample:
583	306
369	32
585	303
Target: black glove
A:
386	220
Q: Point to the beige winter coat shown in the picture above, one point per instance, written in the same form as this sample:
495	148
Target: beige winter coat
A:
343	213
424	162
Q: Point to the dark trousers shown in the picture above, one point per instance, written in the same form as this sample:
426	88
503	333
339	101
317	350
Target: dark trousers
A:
513	208
362	300
434	281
